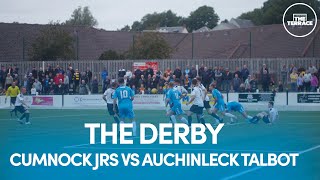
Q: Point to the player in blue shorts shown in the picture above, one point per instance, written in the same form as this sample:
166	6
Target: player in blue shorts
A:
174	97
125	96
237	107
220	104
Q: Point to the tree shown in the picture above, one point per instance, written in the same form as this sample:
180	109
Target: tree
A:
149	46
52	43
152	21
203	16
126	28
82	17
111	55
272	11
136	26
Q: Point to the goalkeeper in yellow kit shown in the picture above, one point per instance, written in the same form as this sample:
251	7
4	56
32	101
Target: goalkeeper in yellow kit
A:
13	92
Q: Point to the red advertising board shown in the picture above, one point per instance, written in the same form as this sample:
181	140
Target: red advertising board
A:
144	65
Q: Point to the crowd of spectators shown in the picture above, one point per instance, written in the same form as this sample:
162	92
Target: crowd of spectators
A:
56	80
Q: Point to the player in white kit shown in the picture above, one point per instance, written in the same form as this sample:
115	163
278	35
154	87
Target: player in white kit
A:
268	117
107	97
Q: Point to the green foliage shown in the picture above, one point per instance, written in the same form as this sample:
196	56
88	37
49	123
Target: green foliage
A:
82	17
152	21
272	11
52	43
111	55
203	16
149	46
125	28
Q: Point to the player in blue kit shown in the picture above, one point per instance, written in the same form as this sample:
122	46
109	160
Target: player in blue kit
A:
235	106
125	96
220	104
174	98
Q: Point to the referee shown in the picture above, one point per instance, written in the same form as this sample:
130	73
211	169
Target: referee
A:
13	92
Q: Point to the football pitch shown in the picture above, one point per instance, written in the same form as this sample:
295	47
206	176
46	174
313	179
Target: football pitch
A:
62	131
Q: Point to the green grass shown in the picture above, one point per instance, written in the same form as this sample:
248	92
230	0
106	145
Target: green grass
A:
54	130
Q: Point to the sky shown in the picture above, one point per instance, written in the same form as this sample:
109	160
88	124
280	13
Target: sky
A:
115	14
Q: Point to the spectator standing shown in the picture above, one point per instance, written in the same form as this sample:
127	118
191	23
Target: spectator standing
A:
218	77
84	88
187	71
186	82
193	73
133	81
236	83
85	77
265	79
129	74
307	81
149	71
293	80
280	87
121	72
314	83
104	76
237	72
300	82
292	68
245	72
247	86
138	73
76	80
46	85
227	79
253	84
284	74
60	88
95	85
177	72
37	84
66	83
89	75
2	76
34	73
9	81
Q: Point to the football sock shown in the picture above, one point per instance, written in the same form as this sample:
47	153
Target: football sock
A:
184	120
116	119
27	117
215	116
134	128
230	115
173	119
189	120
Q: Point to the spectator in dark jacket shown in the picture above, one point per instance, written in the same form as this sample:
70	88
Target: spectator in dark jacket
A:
253	84
59	89
265	81
34	73
95	85
237	72
227	79
149	71
138	74
193	72
177	72
245	72
121	72
89	74
236	83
